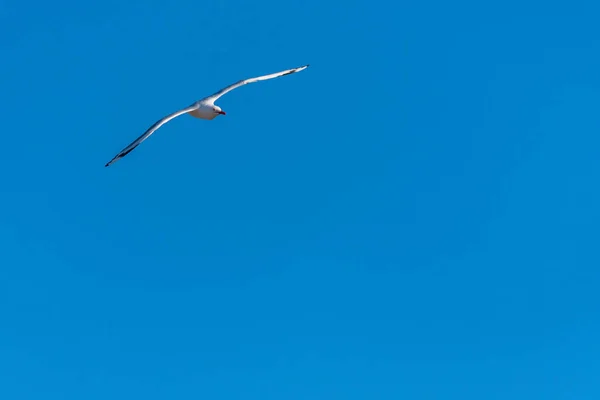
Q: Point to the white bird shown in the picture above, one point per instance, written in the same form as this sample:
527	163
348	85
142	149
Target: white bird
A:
203	109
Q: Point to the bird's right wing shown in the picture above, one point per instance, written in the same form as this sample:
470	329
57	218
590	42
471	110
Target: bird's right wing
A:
212	98
149	132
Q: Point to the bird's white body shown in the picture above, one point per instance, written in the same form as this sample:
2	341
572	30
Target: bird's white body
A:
203	109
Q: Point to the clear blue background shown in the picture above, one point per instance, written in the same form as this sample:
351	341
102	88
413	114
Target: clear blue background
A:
415	216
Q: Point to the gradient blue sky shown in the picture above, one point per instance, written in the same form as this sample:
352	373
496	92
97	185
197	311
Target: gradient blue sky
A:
415	216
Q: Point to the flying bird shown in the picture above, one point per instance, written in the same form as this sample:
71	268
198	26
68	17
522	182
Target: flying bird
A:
203	109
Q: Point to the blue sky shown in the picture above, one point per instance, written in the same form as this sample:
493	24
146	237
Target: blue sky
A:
415	216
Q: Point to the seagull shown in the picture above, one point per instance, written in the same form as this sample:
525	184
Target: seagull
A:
203	109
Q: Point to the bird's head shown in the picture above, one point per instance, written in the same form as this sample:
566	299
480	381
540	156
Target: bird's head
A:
218	110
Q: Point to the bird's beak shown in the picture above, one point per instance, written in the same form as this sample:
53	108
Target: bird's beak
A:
222	112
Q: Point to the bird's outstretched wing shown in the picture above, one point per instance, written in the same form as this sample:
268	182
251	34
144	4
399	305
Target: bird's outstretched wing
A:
212	98
149	132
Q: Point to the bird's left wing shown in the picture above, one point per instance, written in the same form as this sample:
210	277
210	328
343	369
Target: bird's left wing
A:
212	98
149	132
